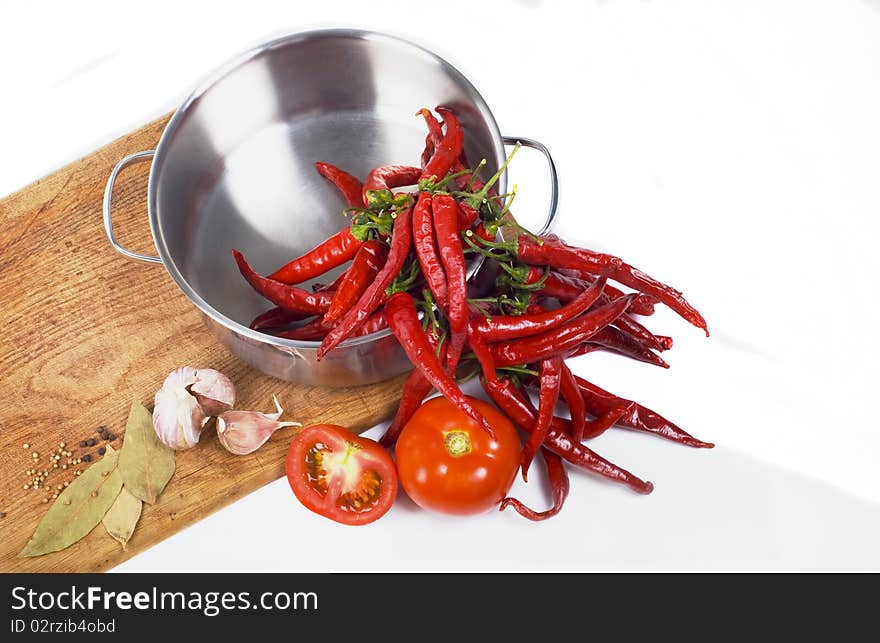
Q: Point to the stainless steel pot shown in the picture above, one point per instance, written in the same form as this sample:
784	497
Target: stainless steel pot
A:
234	168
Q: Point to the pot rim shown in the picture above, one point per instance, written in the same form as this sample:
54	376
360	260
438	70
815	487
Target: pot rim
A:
205	85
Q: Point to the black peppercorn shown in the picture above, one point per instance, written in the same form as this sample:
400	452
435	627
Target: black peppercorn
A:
82	443
102	451
87	458
90	442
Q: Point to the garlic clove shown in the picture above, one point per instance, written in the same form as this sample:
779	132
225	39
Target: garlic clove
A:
177	416
214	391
243	432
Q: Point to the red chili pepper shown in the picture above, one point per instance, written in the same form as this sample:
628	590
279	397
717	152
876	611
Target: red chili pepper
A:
448	151
415	389
499	328
425	244
318	328
452	258
556	254
565	288
276	318
559	488
280	294
643	305
335	251
314	331
433	140
551	379
616	341
596	427
482	352
639	333
390	176
575	401
375	293
351	188
480	230
364	268
519	409
400	311
561	340
434	137
638	417
445	213
374	324
454	350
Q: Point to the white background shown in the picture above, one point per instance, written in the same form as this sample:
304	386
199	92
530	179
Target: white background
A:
731	149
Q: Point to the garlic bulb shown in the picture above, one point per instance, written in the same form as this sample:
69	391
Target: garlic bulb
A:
185	403
213	390
243	432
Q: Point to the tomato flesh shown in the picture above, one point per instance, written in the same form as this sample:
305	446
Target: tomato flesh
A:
340	475
448	463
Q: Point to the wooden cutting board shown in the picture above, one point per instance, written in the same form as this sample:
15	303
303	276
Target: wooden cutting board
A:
85	330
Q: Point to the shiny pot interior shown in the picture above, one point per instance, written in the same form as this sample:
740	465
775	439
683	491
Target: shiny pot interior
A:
235	169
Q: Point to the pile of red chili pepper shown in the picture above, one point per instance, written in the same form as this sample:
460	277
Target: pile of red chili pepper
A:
409	254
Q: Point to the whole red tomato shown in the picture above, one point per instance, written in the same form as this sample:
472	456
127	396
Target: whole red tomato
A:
345	477
448	463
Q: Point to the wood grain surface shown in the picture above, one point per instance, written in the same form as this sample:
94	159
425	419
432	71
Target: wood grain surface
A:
85	330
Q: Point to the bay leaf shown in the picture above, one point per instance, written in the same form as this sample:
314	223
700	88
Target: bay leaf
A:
78	508
121	519
145	463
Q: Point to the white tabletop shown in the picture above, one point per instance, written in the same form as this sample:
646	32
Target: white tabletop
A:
730	149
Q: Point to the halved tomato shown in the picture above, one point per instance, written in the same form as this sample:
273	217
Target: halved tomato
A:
340	475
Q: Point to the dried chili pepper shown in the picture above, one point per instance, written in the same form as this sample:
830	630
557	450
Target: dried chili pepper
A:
572	395
616	341
454	350
434	137
639	333
375	292
601	423
313	331
276	318
335	251
518	408
400	311
390	176
351	188
481	351
364	268
561	340
559	488
445	213
318	328
281	294
550	379
448	151
556	254
566	288
415	389
638	417
499	328
425	244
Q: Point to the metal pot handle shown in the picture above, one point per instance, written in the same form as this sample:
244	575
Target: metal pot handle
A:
108	200
554	179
